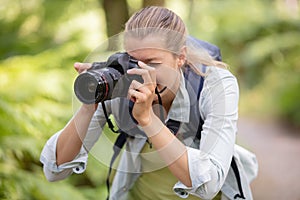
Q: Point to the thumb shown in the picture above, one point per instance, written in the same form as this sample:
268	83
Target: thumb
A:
82	67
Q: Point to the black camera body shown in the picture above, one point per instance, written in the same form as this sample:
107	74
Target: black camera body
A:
106	80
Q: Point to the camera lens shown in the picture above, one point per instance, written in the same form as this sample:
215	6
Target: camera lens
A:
99	83
86	86
91	87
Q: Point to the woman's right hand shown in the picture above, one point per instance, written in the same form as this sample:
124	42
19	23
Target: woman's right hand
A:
82	67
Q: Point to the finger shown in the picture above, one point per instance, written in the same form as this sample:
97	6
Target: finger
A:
138	92
135	85
132	90
144	74
133	95
144	66
151	70
82	67
148	73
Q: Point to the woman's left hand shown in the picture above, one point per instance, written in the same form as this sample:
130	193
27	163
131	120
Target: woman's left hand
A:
142	93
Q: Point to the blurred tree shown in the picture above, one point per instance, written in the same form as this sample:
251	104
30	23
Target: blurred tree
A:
117	13
30	27
260	41
39	42
153	3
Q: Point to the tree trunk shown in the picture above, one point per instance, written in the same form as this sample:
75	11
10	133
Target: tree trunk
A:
116	15
153	3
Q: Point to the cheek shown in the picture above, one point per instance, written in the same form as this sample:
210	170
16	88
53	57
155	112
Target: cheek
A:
167	76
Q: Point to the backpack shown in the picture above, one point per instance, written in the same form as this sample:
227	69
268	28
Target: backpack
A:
194	84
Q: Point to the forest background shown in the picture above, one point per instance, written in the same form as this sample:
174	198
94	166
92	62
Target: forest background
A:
41	39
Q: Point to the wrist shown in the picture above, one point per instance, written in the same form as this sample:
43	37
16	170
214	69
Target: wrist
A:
90	108
145	121
153	127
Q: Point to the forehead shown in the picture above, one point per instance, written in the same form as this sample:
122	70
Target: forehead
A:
149	42
147	49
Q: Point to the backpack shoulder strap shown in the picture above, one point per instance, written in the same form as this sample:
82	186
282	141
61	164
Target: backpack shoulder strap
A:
195	83
119	143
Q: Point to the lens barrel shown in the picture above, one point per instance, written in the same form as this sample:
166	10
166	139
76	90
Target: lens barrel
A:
95	86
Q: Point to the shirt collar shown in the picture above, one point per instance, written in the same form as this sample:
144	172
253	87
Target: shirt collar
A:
180	108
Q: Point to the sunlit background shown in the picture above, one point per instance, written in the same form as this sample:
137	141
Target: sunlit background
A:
41	39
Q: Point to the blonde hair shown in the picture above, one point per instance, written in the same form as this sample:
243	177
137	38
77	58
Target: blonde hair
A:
169	26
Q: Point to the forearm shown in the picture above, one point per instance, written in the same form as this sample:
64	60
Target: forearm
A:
171	150
70	140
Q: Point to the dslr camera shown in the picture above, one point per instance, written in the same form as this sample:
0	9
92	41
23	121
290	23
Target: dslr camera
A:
106	80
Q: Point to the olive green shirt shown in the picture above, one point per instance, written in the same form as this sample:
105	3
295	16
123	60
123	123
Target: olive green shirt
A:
157	181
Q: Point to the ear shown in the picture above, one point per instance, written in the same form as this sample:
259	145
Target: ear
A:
182	57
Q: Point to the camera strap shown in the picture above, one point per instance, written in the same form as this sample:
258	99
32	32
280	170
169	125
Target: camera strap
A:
119	143
109	122
161	112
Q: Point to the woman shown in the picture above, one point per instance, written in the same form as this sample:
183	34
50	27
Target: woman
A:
172	169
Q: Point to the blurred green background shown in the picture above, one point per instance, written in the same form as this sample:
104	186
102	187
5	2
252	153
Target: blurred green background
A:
41	39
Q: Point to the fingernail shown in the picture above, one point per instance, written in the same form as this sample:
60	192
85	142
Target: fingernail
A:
76	64
141	63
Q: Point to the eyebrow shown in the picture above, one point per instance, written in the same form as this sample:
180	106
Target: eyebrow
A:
151	59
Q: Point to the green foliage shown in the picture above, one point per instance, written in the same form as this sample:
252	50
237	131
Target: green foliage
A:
40	41
29	27
35	101
288	99
259	40
28	186
38	50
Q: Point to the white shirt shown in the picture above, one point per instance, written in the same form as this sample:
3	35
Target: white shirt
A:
209	164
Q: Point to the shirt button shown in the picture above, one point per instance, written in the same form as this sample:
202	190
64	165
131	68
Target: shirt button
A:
183	193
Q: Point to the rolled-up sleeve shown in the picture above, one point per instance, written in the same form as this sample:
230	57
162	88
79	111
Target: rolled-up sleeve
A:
209	165
205	176
78	164
54	172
